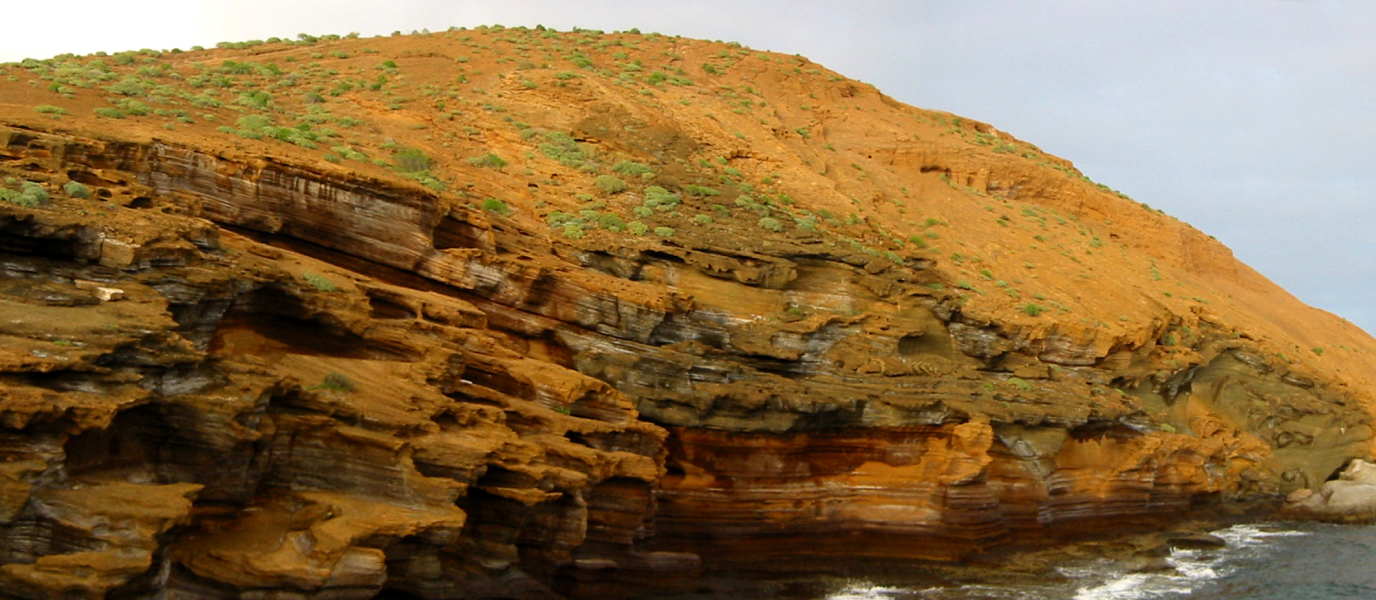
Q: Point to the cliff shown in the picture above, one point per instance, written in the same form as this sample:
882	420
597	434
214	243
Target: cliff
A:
524	313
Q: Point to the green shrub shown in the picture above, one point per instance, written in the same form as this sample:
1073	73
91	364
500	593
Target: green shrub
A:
611	222
133	107
1019	384
109	113
349	153
573	231
496	206
627	167
700	190
337	382
412	160
253	122
562	147
76	190
49	109
1032	309
771	224
29	195
129	86
701	219
319	282
205	101
489	160
33	192
610	184
664	231
637	228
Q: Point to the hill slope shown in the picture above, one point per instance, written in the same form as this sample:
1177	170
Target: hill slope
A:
511	311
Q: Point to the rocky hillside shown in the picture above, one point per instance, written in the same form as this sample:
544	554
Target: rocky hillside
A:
525	313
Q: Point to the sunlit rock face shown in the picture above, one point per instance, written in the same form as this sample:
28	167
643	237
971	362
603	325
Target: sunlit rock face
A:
250	372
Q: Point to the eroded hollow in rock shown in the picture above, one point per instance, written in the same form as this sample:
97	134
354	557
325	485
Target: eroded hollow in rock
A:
271	322
455	233
930	344
129	449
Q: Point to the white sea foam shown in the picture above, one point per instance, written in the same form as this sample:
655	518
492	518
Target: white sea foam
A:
1193	568
867	591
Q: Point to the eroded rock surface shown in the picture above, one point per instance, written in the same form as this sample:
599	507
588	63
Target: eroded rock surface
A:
235	373
1351	497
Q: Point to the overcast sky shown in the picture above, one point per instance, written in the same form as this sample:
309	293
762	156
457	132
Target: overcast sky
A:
1254	120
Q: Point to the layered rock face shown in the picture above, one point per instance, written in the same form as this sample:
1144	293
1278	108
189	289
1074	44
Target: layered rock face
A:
241	372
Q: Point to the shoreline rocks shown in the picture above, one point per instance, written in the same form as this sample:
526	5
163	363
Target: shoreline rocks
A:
1350	497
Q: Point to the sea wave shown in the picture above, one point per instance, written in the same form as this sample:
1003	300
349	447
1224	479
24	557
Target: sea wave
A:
1192	569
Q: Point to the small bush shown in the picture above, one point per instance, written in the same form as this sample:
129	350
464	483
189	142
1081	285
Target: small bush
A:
611	222
771	224
133	107
660	199
573	231
496	206
610	184
1032	309
129	86
49	109
412	160
337	382
562	147
109	113
701	219
489	160
664	231
76	190
29	195
1019	384
258	99
627	167
637	228
319	282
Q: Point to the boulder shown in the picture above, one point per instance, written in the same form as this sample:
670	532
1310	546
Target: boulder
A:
1351	496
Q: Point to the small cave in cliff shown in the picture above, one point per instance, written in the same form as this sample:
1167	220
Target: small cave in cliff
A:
272	322
388	306
929	344
15	239
1099	430
455	233
131	448
500	381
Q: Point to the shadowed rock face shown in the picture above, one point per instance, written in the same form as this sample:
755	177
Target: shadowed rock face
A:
228	375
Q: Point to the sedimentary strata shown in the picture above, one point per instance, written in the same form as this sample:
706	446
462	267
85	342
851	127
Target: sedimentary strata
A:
242	372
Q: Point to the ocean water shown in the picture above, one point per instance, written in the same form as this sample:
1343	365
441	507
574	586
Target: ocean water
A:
1272	561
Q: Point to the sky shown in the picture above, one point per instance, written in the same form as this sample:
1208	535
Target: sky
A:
1253	120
